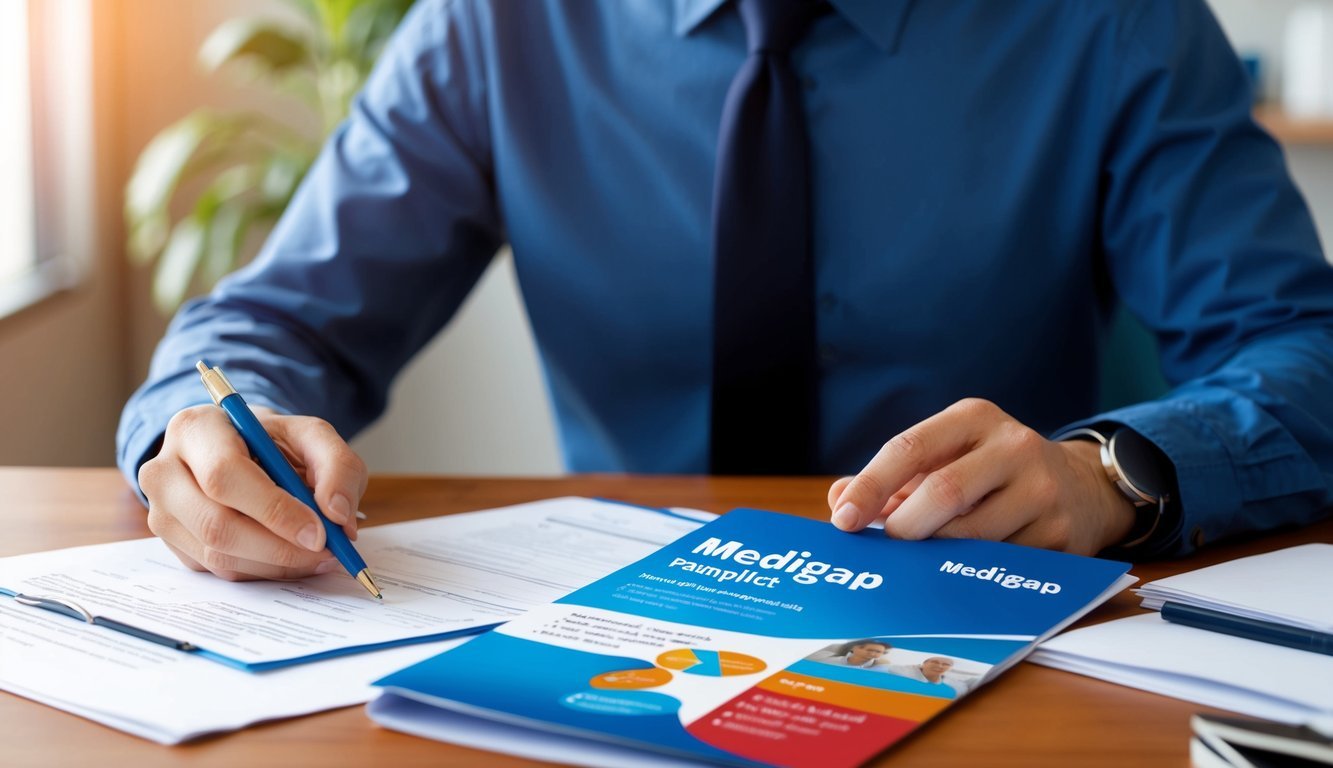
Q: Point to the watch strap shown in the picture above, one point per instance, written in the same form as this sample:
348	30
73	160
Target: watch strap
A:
1135	467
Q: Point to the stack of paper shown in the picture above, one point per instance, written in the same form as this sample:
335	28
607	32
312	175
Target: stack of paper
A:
442	577
1289	586
1247	676
167	696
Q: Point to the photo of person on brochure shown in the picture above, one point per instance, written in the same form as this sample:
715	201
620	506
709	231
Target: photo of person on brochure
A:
935	670
867	653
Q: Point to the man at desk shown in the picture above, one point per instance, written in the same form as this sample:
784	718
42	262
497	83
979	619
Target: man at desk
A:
878	238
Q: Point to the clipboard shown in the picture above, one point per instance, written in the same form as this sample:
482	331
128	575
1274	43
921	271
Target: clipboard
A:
451	576
72	609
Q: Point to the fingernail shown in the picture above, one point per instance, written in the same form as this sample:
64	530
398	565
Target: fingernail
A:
309	538
327	566
341	508
847	516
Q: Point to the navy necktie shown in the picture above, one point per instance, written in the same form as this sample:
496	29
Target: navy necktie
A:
764	376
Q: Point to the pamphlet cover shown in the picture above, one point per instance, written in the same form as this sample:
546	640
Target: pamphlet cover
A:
763	638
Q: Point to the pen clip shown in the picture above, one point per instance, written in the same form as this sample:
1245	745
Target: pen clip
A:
66	607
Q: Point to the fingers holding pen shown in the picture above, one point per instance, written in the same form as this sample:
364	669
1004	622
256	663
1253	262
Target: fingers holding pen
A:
221	467
206	535
199	557
219	511
335	473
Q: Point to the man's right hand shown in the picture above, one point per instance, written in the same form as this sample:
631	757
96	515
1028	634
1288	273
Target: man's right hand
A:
218	510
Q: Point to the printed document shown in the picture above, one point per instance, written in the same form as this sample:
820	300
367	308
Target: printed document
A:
465	571
441	577
1261	679
167	696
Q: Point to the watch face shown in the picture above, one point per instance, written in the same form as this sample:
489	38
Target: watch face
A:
1140	463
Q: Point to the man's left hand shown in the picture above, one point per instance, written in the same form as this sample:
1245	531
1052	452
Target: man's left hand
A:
974	472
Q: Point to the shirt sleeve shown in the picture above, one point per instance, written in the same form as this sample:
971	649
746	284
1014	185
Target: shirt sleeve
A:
390	229
1208	242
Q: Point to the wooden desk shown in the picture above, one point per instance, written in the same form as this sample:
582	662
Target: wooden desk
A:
1032	716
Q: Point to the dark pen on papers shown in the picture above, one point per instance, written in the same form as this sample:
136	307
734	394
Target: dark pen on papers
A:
275	464
1251	629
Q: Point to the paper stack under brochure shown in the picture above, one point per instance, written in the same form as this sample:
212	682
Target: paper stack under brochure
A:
1289	586
1226	742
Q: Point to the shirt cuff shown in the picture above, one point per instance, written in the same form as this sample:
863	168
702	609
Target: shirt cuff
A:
1207	492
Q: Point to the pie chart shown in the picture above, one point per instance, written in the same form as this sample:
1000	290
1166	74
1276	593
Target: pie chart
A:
697	661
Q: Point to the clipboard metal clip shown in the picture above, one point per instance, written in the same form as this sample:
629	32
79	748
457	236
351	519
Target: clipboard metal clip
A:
66	607
59	605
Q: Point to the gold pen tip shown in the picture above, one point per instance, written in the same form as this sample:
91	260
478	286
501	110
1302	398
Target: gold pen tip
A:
201	367
369	584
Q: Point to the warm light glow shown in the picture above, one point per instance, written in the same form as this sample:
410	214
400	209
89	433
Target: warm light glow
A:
17	247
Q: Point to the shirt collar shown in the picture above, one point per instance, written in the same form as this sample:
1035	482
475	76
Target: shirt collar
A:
879	20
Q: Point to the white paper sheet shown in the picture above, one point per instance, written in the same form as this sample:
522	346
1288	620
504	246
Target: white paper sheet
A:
1152	654
487	733
1290	586
167	696
456	573
473	569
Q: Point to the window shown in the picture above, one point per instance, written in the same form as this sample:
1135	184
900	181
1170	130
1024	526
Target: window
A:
18	251
45	148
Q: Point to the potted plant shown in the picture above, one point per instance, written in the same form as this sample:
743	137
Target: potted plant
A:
207	181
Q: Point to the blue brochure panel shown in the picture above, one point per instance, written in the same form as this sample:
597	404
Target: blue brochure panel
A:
763	638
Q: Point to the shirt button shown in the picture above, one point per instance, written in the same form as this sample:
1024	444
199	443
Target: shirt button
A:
827	302
827	353
808	83
1196	537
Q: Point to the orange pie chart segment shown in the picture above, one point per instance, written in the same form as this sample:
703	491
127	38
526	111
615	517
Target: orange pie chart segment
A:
739	664
680	658
697	661
631	679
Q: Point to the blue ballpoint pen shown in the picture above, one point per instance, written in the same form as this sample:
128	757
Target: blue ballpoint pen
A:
270	457
1299	638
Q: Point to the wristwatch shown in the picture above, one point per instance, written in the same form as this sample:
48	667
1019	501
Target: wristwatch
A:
1140	471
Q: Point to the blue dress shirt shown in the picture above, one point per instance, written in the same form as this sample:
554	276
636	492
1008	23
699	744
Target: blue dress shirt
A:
989	180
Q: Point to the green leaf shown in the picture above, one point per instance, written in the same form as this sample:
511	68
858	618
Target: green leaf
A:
147	237
167	160
180	261
256	162
160	165
193	145
369	26
180	151
265	43
226	237
281	177
227	207
333	14
233	182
